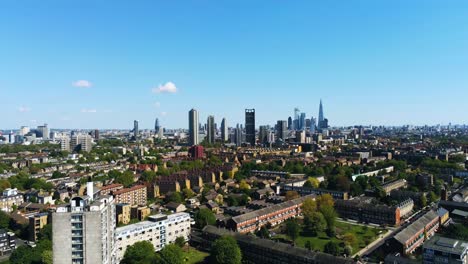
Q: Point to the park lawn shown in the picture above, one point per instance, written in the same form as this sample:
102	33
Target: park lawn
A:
363	235
193	256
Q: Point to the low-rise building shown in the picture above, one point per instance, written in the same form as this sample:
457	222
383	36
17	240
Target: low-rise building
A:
441	250
7	242
393	185
123	213
368	210
36	223
110	189
272	215
7	202
160	230
135	195
414	235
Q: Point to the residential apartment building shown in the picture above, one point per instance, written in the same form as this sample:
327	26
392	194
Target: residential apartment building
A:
123	213
9	199
160	230
36	223
393	185
442	250
83	231
135	195
414	235
272	215
337	195
7	242
111	188
368	210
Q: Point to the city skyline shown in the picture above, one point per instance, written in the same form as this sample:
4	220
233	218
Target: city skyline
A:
400	63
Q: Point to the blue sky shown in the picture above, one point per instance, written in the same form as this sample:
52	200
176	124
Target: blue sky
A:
372	62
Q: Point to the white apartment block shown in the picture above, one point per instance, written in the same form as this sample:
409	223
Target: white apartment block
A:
160	230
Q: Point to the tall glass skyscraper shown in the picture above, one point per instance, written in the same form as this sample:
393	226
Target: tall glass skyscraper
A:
320	116
224	130
193	127
250	126
210	125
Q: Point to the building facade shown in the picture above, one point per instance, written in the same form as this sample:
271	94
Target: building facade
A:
250	126
135	195
160	230
442	250
193	128
83	231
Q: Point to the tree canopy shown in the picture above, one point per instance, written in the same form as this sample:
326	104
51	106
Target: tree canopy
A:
225	250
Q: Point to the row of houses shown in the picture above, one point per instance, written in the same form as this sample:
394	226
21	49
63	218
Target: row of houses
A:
272	215
368	210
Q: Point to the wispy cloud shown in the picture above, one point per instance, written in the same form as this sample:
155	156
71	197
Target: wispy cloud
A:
163	113
23	109
82	84
168	87
84	110
157	104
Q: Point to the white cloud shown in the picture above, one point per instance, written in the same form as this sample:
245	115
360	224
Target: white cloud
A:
168	87
24	109
82	84
157	104
84	110
163	113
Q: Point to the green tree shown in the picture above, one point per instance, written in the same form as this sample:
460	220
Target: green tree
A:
432	197
308	245
180	241
47	257
188	193
204	217
292	229
175	197
291	195
350	239
148	176
170	254
332	248
139	253
226	251
126	179
4	220
263	232
348	250
423	200
329	215
315	223
309	206
312	183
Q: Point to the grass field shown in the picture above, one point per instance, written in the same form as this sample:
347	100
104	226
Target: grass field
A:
193	256
364	236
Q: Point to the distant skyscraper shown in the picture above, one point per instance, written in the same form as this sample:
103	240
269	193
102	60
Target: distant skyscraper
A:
302	121
238	135
224	130
135	129
290	123
313	125
320	116
24	130
193	127
156	126
250	126
282	129
263	135
296	118
210	126
43	131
